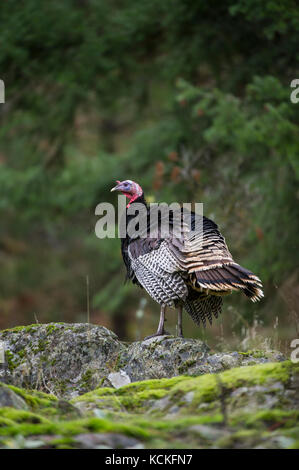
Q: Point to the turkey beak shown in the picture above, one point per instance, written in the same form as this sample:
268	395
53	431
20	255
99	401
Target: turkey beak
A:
116	188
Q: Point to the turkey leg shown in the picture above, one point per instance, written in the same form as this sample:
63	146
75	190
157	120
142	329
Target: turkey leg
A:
180	322
160	330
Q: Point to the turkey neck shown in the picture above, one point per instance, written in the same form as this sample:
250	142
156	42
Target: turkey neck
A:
129	217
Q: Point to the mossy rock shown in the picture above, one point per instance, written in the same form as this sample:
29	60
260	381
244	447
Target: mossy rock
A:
181	412
71	359
65	359
58	393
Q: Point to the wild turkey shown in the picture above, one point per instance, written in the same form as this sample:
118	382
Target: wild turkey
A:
192	271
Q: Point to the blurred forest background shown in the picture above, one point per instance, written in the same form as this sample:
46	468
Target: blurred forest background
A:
188	97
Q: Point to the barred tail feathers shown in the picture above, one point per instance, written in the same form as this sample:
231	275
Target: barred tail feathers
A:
226	278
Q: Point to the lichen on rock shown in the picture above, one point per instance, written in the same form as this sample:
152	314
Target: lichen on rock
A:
60	358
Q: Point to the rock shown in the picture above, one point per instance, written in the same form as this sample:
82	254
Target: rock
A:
257	397
161	404
162	356
68	360
9	398
208	432
158	393
118	379
258	410
65	408
229	360
106	441
189	397
59	358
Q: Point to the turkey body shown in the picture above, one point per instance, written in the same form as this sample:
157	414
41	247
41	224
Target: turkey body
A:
191	271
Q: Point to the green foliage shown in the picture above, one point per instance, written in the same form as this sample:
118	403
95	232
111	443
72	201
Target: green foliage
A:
192	99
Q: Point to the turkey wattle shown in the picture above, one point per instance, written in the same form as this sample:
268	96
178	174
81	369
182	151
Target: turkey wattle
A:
193	271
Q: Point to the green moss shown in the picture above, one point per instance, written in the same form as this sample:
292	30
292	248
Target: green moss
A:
295	445
34	398
21	416
185	366
63	443
60	387
176	424
275	418
21	353
51	327
86	378
118	362
5	422
253	353
12	360
18	329
293	433
205	387
132	412
244	438
42	345
27	424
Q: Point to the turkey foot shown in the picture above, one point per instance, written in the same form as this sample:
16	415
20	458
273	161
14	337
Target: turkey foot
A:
162	333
